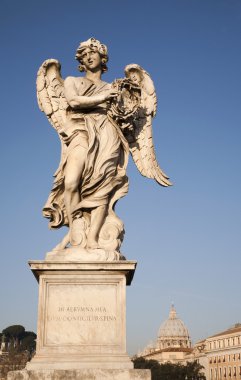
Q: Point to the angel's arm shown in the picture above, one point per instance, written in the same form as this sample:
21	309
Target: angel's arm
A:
79	101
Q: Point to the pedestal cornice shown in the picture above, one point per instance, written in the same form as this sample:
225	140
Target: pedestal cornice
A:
39	267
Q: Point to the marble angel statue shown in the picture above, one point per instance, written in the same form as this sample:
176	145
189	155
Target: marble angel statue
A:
98	124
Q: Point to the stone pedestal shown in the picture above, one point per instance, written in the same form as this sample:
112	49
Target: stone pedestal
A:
84	374
81	322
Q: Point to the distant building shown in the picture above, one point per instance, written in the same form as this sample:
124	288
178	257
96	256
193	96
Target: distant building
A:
221	354
173	343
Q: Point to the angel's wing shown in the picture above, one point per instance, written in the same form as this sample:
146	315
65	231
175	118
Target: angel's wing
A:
50	93
51	101
141	146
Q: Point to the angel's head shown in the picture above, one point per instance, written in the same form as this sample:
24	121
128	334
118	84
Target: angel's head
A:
92	45
134	73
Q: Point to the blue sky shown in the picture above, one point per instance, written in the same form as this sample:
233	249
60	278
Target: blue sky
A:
187	238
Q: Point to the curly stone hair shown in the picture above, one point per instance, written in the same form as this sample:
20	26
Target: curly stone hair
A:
96	45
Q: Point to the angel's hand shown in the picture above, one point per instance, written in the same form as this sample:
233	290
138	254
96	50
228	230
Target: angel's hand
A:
111	94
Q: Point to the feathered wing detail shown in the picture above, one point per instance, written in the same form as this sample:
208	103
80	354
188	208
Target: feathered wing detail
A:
140	141
50	93
50	96
51	101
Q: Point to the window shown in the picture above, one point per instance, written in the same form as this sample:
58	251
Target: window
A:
229	371
234	371
211	374
223	358
224	372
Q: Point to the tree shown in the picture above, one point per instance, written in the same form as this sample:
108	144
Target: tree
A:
193	370
14	333
19	339
170	371
20	348
28	342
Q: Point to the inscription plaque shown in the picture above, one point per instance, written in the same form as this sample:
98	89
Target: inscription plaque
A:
85	314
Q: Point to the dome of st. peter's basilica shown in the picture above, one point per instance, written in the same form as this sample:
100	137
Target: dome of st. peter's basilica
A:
173	332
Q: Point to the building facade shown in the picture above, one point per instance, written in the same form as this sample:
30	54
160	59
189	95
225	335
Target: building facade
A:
222	353
219	354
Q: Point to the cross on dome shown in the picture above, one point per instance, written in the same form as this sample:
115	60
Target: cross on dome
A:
173	313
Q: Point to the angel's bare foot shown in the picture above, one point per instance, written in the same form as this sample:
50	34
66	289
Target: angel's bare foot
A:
64	242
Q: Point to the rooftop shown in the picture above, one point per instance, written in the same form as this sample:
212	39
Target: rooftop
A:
232	330
170	349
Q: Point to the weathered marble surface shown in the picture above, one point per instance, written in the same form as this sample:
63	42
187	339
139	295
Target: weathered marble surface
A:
82	315
81	254
98	123
124	266
87	374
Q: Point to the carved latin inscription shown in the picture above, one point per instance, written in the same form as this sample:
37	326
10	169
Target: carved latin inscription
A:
82	313
85	314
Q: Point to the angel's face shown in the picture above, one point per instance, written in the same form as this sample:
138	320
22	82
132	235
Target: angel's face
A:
135	76
91	59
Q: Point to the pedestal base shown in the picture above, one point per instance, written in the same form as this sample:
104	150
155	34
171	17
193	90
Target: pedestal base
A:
82	315
87	374
81	322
